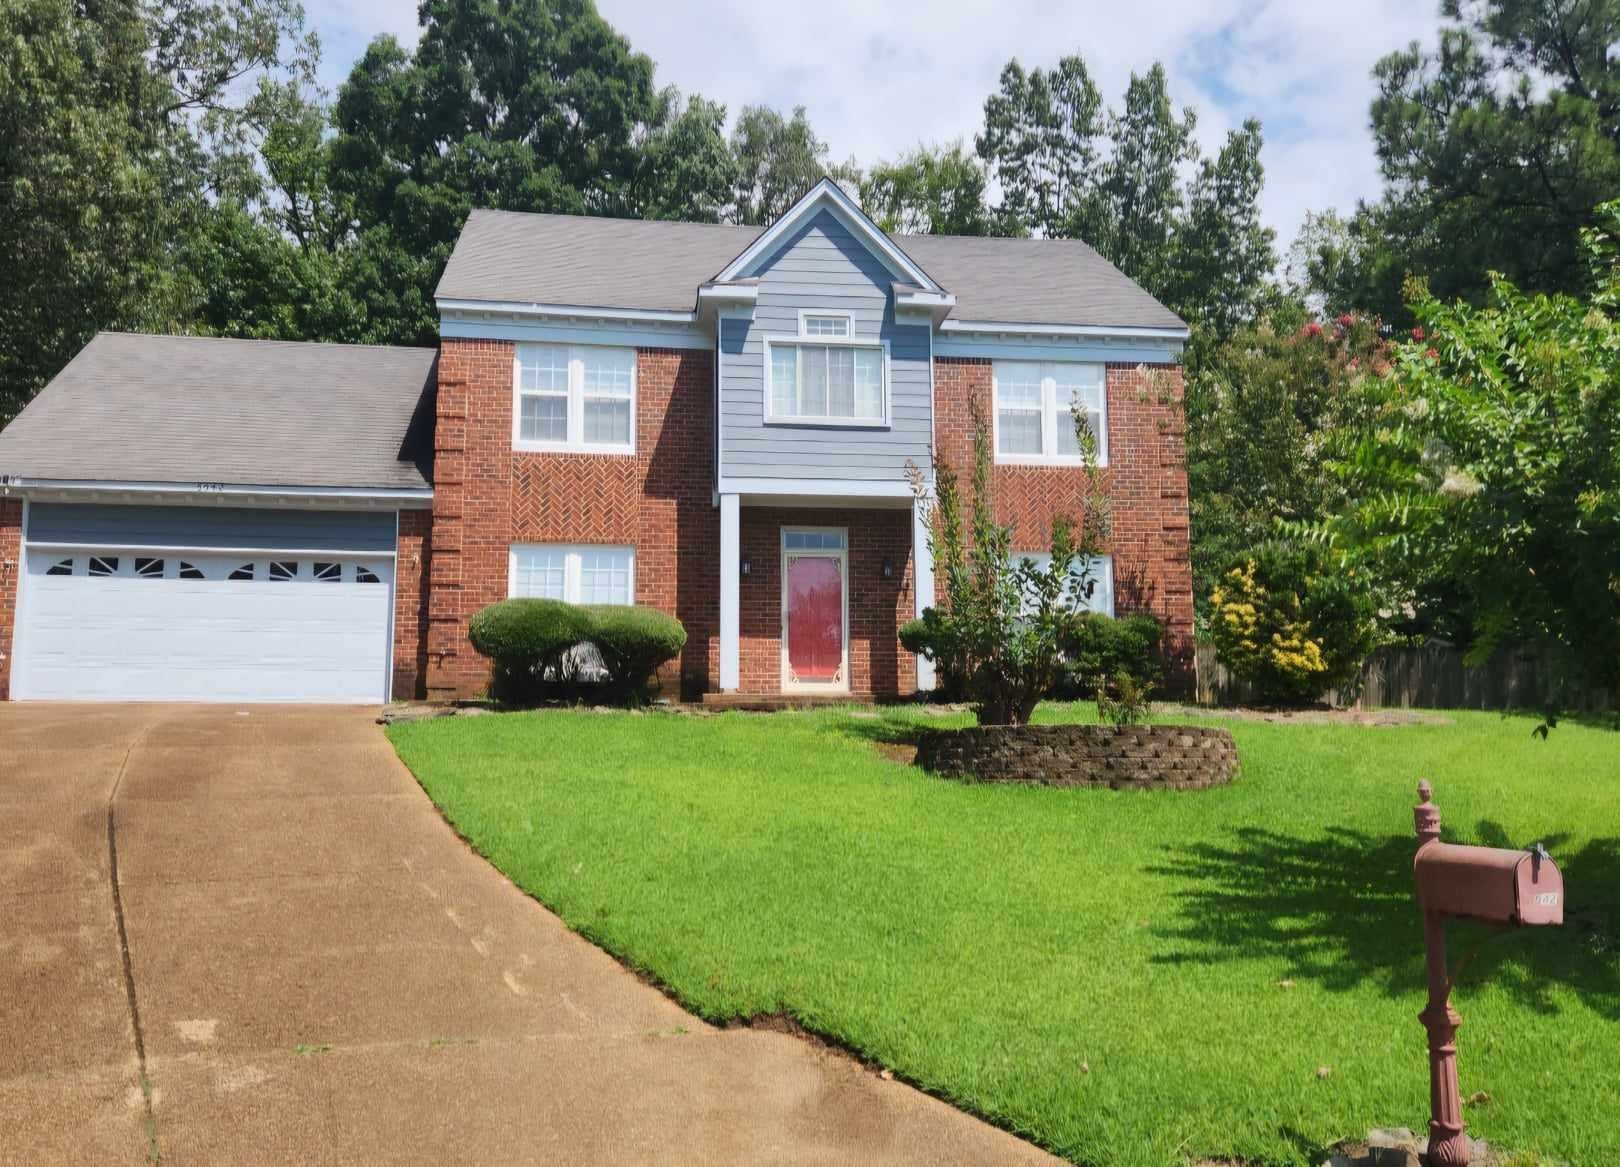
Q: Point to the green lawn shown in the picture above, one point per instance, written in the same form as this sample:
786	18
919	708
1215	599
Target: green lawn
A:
1125	978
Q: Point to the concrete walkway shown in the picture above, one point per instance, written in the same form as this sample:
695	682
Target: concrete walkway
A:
312	968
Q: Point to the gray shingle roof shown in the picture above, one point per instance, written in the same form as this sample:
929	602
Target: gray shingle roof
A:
630	263
135	408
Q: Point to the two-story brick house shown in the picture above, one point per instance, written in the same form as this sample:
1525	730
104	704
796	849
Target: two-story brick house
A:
721	422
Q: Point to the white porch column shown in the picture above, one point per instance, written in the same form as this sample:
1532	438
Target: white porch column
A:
922	561
730	592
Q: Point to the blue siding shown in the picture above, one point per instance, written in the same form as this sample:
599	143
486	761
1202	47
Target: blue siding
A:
822	265
248	528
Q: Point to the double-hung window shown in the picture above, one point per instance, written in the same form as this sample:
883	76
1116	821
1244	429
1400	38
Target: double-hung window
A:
574	398
826	375
1091	586
1038	404
587	574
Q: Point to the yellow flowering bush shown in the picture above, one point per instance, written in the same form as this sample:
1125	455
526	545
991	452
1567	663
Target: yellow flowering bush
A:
1288	625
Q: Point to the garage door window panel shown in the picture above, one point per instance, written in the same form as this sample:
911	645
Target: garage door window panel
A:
103	565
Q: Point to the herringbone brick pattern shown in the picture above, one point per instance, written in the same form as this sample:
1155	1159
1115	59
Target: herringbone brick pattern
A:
487	497
1146	483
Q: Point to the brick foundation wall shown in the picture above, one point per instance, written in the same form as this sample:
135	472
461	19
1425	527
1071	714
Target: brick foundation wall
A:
878	666
487	497
411	571
1146	482
11	567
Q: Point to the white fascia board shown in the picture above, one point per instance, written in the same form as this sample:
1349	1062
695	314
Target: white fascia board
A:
193	492
719	293
816	487
1088	331
564	311
827	192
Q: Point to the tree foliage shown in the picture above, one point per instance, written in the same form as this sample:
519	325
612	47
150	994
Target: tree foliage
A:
106	112
929	192
1492	465
1000	625
1261	408
1495	149
1068	166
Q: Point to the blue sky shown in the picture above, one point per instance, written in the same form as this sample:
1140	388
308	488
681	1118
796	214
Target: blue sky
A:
879	77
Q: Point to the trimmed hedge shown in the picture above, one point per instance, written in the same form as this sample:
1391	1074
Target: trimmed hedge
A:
1103	646
542	648
632	642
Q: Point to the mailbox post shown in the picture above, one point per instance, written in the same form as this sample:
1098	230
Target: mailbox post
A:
1477	883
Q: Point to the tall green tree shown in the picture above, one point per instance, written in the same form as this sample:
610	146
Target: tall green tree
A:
687	170
534	105
777	159
107	112
1495	149
1133	183
1491	466
938	191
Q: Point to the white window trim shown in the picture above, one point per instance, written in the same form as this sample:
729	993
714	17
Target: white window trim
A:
576	443
1104	579
573	566
841	553
1050	413
843	314
845	423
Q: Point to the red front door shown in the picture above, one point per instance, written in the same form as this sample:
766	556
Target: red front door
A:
814	624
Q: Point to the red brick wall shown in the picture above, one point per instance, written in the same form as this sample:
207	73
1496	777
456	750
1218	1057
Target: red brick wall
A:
487	497
1146	482
411	568
11	566
878	666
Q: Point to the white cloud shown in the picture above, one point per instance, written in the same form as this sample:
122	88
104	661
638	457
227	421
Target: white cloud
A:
878	78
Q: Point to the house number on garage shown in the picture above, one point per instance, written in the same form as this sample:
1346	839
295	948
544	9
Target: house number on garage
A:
211	487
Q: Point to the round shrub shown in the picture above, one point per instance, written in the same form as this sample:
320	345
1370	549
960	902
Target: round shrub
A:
1096	645
632	642
528	640
1286	621
533	629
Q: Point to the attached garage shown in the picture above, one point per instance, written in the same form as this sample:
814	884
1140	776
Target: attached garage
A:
205	604
200	519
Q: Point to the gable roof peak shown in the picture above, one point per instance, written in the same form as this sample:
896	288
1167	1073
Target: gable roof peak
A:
827	193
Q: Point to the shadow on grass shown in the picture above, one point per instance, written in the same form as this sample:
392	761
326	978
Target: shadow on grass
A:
1339	910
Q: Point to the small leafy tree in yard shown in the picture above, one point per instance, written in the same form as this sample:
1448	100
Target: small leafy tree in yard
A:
1291	625
1130	702
1492	468
998	629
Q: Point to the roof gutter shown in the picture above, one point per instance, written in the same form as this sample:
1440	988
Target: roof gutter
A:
565	311
1087	331
222	491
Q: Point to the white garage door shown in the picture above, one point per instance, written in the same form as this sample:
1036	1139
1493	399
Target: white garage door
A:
121	625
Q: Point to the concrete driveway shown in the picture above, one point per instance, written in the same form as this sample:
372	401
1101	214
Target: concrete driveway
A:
299	962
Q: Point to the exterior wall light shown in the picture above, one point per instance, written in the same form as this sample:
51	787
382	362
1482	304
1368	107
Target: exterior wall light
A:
745	565
888	567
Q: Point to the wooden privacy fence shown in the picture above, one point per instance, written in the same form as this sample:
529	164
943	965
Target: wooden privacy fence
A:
1429	676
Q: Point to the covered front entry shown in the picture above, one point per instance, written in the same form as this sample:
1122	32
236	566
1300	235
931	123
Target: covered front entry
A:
130	603
815	610
812	598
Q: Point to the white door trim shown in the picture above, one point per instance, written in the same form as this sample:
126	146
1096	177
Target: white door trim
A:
841	683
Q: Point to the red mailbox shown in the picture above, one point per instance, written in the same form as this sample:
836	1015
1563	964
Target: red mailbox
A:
1470	883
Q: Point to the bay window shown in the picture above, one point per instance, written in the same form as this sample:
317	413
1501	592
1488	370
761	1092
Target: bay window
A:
574	398
1037	405
586	574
